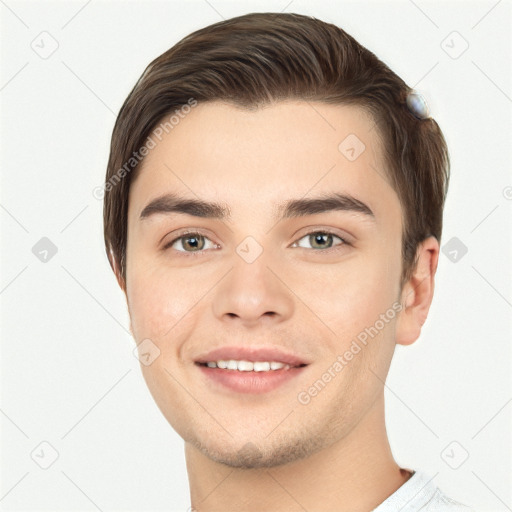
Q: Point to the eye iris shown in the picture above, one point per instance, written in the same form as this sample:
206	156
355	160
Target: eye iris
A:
318	238
196	242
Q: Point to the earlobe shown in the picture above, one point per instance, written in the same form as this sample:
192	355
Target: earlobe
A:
417	293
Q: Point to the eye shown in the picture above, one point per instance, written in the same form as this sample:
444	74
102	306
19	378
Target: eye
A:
320	240
190	242
195	243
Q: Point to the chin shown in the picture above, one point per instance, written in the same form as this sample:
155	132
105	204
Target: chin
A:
259	454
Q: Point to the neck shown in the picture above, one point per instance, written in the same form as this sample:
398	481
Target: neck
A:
355	473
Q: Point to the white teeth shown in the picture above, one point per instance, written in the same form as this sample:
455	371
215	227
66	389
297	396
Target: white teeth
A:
247	366
261	367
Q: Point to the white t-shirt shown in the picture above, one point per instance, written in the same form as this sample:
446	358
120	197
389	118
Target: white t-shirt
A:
420	493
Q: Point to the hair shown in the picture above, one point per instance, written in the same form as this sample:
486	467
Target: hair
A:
261	58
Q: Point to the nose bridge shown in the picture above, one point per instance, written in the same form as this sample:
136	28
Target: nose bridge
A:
251	291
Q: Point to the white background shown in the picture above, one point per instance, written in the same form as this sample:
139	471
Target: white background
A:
68	373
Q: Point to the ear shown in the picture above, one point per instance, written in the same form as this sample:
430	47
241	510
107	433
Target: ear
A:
122	284
117	272
417	293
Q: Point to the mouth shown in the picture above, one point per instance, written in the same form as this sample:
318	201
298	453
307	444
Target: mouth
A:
249	370
248	366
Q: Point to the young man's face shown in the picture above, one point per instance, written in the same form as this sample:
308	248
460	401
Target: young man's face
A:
310	296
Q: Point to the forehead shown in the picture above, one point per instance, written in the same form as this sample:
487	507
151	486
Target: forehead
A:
285	150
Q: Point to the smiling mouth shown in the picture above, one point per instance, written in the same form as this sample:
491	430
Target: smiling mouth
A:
248	366
248	377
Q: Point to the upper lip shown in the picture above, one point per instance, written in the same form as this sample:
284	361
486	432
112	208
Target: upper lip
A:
253	354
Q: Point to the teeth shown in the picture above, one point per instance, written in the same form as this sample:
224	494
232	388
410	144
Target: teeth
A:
247	366
261	367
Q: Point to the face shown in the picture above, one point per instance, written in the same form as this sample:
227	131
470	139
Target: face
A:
304	280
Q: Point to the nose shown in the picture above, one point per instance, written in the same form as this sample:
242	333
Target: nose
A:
252	294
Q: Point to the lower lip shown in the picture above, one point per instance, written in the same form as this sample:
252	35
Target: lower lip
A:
251	382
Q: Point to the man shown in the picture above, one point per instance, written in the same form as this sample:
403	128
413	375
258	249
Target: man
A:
273	212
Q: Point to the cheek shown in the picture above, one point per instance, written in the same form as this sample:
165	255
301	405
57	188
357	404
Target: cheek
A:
156	303
350	296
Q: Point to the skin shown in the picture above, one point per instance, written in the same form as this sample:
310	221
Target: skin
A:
269	451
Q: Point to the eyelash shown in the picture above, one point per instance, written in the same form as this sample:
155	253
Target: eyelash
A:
202	251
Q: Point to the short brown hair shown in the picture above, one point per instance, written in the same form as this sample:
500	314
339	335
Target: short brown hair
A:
260	58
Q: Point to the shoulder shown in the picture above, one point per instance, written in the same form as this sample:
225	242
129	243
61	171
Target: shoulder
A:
421	494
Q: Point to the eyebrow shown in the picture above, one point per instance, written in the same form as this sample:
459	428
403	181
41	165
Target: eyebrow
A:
174	204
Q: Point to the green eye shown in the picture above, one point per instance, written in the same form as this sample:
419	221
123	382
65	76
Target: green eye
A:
193	242
319	240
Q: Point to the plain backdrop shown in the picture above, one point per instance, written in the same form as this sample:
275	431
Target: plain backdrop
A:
69	379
